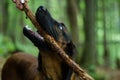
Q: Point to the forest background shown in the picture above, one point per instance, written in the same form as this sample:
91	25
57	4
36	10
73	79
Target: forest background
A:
94	26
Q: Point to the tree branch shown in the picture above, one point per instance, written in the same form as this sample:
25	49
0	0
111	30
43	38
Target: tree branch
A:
79	71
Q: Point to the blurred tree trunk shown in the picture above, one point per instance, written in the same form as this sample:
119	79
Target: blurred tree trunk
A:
33	5
5	16
78	2
22	24
119	13
89	52
72	15
1	16
106	55
12	32
49	5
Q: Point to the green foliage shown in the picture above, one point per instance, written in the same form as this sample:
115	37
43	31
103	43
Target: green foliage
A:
6	45
28	48
98	76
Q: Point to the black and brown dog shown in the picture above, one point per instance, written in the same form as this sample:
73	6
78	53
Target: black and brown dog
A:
48	66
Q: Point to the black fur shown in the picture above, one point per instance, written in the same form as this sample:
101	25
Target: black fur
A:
57	31
48	24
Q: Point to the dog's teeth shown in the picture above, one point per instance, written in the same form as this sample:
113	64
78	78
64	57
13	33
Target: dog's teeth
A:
38	35
22	1
28	27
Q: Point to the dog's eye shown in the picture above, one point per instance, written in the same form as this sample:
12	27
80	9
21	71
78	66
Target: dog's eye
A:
61	27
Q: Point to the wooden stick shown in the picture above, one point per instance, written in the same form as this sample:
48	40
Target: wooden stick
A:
79	71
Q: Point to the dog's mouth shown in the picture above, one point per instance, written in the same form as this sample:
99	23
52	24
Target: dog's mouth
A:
35	37
49	26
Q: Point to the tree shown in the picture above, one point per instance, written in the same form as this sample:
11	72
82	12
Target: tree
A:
5	17
106	55
119	10
72	15
89	51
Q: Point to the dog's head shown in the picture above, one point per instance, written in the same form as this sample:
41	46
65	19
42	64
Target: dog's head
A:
55	29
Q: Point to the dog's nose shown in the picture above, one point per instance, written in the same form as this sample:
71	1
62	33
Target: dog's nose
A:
43	8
